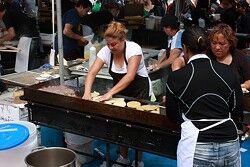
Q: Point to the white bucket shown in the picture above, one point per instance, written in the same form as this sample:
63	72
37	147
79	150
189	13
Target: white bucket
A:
81	144
14	157
150	23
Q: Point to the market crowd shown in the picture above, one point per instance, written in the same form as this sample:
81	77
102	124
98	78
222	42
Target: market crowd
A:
205	65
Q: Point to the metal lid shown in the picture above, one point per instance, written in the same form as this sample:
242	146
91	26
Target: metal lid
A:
12	135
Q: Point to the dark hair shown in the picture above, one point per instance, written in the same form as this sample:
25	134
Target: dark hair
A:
243	4
2	6
84	3
112	5
195	39
171	21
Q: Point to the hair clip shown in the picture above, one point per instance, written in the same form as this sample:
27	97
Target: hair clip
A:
199	39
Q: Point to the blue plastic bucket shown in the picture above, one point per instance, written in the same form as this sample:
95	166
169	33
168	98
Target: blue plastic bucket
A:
51	137
17	140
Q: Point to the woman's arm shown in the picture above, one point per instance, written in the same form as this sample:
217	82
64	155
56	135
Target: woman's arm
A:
245	69
246	85
95	68
133	65
67	31
175	53
178	63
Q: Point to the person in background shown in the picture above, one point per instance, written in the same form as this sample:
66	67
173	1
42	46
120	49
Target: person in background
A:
170	26
213	6
243	23
147	8
72	38
109	12
127	68
228	14
202	96
67	5
99	20
223	49
19	24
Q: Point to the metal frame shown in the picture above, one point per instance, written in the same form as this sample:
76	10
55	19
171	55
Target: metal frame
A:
151	140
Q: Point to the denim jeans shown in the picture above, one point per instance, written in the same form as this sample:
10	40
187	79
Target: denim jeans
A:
225	154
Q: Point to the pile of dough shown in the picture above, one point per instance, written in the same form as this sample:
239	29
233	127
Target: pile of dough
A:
149	107
134	104
94	94
116	102
96	98
157	111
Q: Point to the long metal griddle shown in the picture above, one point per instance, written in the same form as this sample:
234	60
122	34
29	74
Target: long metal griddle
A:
142	130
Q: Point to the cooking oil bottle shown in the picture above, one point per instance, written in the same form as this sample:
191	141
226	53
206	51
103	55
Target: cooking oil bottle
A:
92	55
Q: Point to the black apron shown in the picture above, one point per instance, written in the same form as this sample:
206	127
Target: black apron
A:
138	88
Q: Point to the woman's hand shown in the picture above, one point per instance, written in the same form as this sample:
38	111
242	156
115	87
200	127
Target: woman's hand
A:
106	97
83	41
243	85
86	96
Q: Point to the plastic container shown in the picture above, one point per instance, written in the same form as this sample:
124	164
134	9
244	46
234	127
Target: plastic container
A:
51	137
14	155
86	30
150	23
92	55
158	22
201	23
81	144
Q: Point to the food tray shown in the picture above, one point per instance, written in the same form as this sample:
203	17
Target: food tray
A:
21	79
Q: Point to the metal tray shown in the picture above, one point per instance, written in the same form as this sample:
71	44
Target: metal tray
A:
77	104
21	79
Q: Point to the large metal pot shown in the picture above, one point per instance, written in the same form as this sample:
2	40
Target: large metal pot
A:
51	157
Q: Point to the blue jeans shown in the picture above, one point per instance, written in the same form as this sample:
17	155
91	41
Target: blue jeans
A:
225	154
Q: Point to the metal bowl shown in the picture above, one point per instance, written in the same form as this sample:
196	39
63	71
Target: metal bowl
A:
51	157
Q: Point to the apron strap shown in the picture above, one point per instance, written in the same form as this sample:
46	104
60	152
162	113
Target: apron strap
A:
218	121
124	54
215	124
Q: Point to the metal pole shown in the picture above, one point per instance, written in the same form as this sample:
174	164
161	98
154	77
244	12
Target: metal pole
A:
177	8
60	41
53	23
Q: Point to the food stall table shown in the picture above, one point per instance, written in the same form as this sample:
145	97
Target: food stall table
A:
126	126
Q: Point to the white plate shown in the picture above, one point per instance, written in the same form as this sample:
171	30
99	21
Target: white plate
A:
41	78
45	75
55	76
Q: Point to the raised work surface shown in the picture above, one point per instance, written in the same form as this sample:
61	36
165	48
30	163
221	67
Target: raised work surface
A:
77	104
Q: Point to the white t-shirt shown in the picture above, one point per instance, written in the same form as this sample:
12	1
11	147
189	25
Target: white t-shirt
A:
132	49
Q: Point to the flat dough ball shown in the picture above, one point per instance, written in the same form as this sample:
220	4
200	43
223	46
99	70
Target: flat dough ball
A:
116	102
96	99
133	104
139	108
120	103
94	94
155	111
149	107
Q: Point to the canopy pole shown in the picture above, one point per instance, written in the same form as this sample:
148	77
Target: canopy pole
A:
53	24
60	41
